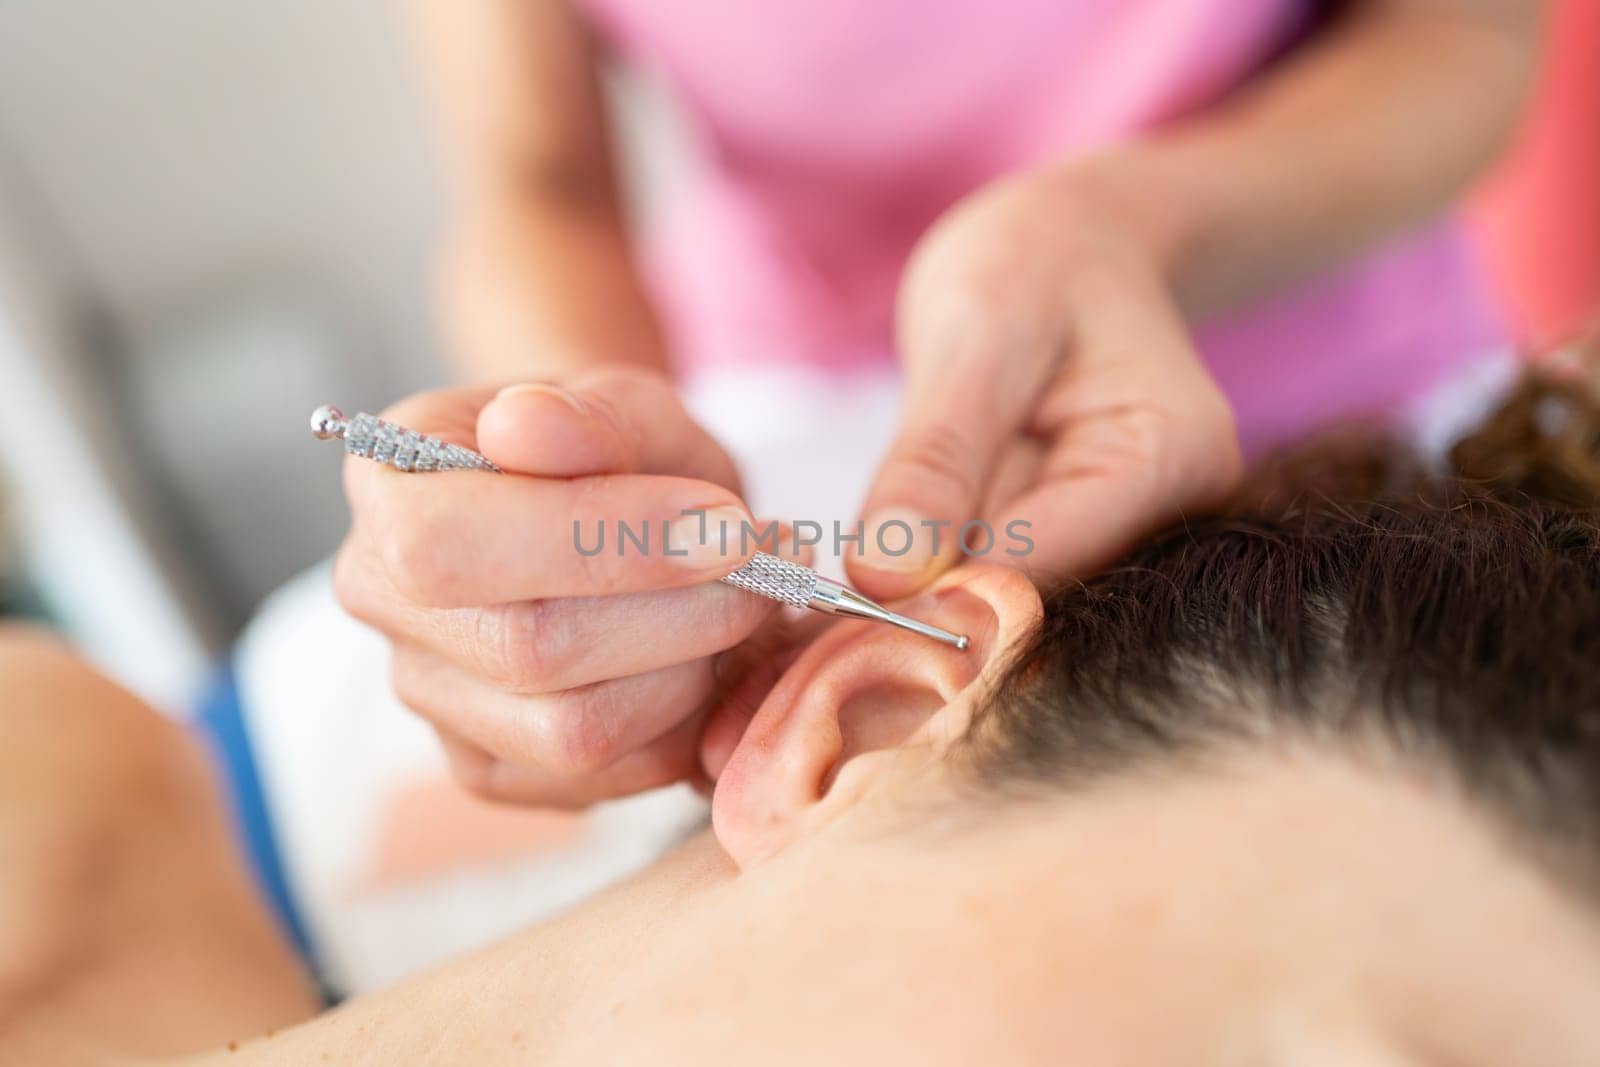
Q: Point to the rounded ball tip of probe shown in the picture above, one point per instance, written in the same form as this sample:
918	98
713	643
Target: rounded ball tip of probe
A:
327	421
961	642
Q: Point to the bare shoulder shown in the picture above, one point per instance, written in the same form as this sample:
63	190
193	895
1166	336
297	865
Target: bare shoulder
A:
129	923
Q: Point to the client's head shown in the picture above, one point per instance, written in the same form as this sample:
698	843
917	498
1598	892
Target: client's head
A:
1317	781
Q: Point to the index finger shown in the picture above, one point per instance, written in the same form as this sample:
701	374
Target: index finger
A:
462	538
465	538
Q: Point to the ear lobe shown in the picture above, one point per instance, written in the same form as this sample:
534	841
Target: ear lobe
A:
859	701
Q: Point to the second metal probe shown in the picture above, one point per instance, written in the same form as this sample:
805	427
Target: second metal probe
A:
765	575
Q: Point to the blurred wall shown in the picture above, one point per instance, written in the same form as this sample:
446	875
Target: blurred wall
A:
240	197
85	544
236	200
183	147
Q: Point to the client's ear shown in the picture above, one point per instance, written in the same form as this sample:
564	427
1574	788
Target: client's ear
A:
863	697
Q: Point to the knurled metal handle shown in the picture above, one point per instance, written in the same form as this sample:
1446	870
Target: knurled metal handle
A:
775	578
372	438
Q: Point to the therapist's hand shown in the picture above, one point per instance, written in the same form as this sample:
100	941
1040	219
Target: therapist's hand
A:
551	676
1050	382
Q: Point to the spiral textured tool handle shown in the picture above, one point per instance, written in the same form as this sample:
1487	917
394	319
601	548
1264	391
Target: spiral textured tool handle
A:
406	450
776	579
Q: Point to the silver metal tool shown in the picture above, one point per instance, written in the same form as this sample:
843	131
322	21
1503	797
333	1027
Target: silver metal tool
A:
765	575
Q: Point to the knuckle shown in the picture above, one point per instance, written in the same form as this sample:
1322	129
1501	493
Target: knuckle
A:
1139	448
1142	438
1135	446
523	646
597	572
578	735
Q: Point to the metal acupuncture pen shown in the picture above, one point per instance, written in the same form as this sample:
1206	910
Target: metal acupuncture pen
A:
770	576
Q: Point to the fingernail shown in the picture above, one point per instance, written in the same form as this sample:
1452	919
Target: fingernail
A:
566	396
896	540
703	538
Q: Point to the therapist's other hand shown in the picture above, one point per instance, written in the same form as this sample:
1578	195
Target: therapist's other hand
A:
1050	382
554	677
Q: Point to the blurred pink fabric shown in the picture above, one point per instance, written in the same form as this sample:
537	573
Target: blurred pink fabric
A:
836	131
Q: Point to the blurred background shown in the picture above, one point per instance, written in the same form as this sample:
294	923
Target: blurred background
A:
213	218
216	216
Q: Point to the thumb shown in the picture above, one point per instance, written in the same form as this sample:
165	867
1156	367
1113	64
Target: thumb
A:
609	420
934	477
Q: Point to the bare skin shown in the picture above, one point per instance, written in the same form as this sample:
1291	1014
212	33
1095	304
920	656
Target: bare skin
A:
1043	325
857	902
127	921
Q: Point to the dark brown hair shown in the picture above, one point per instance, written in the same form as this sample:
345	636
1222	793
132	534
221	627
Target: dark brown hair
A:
1349	598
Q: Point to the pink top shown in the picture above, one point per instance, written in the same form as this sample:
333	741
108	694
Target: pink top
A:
837	131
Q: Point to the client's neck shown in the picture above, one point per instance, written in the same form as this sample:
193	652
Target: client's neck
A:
513	1000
